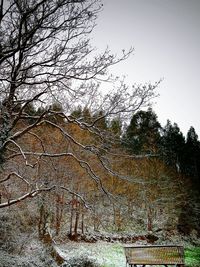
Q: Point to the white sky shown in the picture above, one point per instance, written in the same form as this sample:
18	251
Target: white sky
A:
166	37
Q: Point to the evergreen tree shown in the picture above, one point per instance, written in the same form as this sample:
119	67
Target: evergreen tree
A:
30	109
192	159
56	110
30	112
143	133
86	114
116	127
77	112
82	114
40	111
172	146
100	120
188	219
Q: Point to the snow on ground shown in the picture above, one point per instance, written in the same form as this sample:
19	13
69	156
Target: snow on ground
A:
106	254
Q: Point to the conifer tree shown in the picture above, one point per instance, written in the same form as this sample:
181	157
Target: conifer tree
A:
143	133
192	156
172	146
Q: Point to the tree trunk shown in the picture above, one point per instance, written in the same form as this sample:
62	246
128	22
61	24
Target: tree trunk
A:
71	221
59	212
43	220
149	219
76	224
82	220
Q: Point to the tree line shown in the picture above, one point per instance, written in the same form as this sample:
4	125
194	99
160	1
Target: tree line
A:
144	135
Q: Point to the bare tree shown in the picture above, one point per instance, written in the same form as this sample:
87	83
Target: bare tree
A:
46	56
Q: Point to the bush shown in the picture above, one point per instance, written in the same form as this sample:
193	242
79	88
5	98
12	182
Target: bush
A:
82	261
7	233
41	259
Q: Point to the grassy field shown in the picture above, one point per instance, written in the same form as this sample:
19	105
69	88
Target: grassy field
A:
112	255
115	254
192	257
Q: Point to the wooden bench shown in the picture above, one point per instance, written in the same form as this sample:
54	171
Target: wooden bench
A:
154	255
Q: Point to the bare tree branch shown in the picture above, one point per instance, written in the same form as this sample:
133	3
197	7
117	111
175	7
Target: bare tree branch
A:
31	194
46	57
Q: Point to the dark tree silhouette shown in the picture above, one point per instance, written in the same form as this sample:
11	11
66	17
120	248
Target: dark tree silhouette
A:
192	157
172	146
143	133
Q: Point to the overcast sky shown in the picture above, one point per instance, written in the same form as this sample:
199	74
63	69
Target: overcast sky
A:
166	37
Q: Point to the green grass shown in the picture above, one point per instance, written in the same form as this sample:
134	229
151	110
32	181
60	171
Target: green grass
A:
192	257
114	256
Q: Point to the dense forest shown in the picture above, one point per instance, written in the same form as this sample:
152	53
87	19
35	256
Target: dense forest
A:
150	180
146	189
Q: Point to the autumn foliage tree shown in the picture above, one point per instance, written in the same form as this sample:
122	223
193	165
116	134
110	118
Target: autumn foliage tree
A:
46	58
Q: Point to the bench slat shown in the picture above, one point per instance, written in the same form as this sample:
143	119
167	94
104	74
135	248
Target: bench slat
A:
168	255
